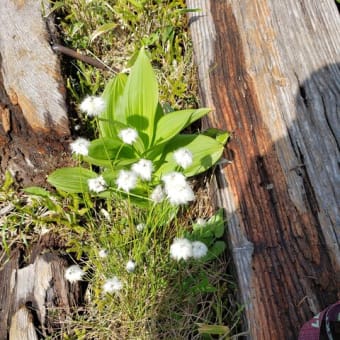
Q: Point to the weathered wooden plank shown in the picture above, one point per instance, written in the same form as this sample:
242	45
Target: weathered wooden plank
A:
30	69
33	115
270	70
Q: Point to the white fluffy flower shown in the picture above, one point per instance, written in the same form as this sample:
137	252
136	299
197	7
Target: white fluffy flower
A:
74	273
130	266
126	180
97	184
128	136
173	179
92	105
183	157
103	253
181	195
140	226
177	189
143	168
199	249
181	248
112	285
80	146
158	194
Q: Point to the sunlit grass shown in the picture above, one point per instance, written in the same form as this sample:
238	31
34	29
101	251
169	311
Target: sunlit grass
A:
113	31
162	298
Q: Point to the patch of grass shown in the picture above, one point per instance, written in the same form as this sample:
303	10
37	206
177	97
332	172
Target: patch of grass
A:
161	298
113	31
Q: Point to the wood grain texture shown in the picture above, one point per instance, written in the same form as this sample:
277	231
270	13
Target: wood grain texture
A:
270	70
35	297
30	69
34	128
22	326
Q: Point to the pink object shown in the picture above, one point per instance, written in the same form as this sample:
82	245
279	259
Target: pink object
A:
321	322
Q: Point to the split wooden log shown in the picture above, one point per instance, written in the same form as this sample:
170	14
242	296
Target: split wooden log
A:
22	326
33	116
270	71
35	298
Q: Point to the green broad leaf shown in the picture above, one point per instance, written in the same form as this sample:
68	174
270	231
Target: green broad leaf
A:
206	152
105	148
37	191
216	224
141	98
113	96
112	150
98	162
220	135
173	123
213	329
202	233
215	251
71	180
102	29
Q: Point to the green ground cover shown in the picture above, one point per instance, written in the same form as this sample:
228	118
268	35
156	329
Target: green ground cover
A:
147	274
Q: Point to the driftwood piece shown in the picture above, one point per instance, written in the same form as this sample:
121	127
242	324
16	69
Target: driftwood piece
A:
33	116
270	71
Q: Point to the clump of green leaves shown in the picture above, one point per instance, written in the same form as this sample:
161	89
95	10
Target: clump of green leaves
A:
210	233
132	104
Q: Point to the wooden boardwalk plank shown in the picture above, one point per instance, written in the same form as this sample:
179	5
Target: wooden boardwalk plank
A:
270	70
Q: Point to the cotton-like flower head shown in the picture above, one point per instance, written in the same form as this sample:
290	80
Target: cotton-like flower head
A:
199	249
173	179
158	194
126	180
112	285
80	146
143	168
92	106
130	266
140	226
183	157
180	195
181	248
103	253
97	184
177	189
74	273
128	135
